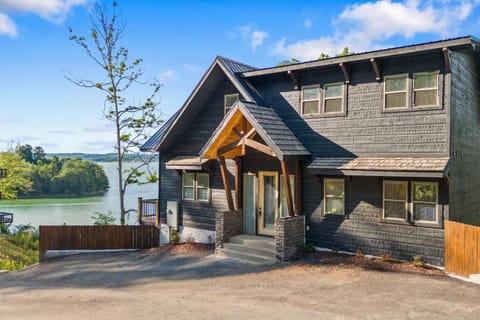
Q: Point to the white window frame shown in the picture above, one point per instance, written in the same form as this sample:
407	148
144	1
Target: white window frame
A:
325	196
424	202
196	187
395	200
225	97
406	91
425	89
341	97
310	100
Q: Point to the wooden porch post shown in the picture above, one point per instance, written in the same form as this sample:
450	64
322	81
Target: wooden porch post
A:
288	189
157	212
238	183
139	210
226	184
298	188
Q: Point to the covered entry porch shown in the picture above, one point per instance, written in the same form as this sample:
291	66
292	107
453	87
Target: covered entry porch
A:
265	162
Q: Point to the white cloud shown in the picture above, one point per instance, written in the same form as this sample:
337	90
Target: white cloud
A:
52	10
7	26
307	23
365	26
166	76
254	37
191	68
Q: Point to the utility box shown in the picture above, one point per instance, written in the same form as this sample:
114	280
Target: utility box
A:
172	214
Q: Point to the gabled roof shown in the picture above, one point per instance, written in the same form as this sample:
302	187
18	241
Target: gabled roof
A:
265	122
232	70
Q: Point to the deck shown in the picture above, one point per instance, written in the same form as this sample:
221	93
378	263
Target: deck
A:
147	211
6	218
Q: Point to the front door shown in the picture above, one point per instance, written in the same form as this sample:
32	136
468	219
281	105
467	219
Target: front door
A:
267	202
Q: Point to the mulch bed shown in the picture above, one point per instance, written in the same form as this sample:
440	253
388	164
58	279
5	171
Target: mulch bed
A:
367	263
190	248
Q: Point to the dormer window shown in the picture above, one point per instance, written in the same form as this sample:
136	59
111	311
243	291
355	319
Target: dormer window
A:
310	100
229	100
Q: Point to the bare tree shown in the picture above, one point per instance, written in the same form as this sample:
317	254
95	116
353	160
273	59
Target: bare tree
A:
132	121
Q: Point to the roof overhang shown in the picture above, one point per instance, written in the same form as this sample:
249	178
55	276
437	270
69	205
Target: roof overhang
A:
380	167
186	163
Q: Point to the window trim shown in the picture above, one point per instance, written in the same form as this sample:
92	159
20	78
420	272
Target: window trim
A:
225	108
316	86
406	91
436	88
196	187
405	219
437	211
343	214
342	97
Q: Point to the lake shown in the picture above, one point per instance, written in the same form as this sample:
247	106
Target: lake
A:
80	210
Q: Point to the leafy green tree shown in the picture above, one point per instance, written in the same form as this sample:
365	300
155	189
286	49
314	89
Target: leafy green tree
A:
132	121
345	52
26	152
17	181
287	62
39	155
323	56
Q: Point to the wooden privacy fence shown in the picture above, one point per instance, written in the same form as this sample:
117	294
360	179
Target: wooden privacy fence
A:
462	248
97	238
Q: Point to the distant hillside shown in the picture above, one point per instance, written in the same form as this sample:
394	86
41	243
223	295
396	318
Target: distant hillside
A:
94	157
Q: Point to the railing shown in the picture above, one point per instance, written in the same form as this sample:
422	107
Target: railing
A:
462	248
6	218
3	173
97	238
147	209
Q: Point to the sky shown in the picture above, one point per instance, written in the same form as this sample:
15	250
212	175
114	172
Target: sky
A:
178	41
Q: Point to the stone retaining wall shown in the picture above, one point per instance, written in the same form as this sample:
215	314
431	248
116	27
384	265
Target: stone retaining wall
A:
289	236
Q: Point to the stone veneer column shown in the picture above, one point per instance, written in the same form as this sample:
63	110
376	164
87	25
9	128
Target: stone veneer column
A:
289	236
227	224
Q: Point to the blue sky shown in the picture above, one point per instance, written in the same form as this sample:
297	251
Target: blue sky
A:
178	40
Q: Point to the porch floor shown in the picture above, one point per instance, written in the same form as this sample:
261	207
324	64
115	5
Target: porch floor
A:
250	249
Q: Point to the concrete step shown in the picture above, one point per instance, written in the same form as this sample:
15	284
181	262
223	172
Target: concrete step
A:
250	249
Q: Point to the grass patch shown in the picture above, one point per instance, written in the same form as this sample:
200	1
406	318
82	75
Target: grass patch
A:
40	201
18	249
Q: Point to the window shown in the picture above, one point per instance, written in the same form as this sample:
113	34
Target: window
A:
424	201
334	196
425	89
310	100
396	92
395	197
229	100
333	98
283	195
195	186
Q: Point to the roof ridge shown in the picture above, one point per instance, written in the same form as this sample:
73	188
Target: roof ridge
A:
225	59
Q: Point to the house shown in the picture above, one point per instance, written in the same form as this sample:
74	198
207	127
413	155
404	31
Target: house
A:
371	151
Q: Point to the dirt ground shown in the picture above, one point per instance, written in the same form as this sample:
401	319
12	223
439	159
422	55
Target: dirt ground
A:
180	283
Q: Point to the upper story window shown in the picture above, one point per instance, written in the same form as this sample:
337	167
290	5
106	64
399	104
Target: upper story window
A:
310	100
334	196
229	100
396	91
425	89
395	198
333	98
195	186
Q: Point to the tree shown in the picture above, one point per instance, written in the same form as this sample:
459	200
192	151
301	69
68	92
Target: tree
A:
287	62
25	151
18	179
39	154
132	120
345	52
323	56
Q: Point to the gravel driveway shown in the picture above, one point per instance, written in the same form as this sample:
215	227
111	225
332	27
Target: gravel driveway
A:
142	285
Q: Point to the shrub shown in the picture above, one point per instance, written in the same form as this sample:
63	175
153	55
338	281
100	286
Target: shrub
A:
418	262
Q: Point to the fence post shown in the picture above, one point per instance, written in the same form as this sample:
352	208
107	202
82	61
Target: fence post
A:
139	210
157	212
